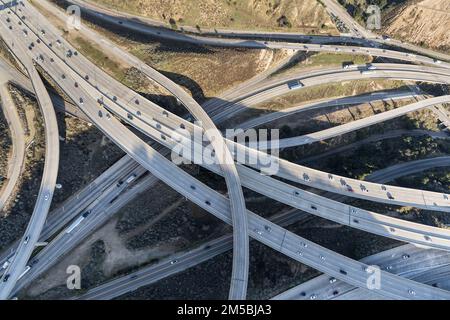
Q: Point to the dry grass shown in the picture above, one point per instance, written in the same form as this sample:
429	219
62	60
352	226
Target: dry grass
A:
305	16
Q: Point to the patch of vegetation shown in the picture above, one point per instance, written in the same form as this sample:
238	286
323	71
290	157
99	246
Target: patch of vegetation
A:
101	59
14	223
437	180
382	154
92	272
321	59
358	8
306	16
5	147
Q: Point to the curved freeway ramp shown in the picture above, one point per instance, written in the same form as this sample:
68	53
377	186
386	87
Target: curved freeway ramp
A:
287	170
260	44
31	236
352	126
165	171
291	171
281	86
407	168
423	265
241	254
277	238
333	102
18	145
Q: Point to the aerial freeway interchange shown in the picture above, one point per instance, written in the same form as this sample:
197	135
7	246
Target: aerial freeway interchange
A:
108	104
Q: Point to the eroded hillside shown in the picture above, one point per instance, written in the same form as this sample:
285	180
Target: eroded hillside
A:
425	23
289	15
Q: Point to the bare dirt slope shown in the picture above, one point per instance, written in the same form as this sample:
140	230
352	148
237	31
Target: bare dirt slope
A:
423	22
305	15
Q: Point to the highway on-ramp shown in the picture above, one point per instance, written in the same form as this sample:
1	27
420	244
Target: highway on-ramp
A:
277	238
50	173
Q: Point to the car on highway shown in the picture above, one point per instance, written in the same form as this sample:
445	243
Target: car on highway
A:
295	84
347	65
86	214
26	240
131	178
6	277
27	268
173	261
6	264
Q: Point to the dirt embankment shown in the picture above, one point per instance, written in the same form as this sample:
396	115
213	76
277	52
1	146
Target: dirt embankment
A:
424	23
307	15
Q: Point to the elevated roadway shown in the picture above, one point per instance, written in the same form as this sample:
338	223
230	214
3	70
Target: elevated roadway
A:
277	238
50	173
325	103
428	266
352	126
136	111
240	225
119	133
